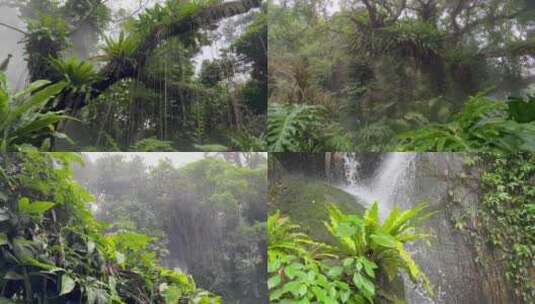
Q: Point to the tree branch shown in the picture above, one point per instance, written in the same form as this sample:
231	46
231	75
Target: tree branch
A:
518	48
112	73
472	25
13	28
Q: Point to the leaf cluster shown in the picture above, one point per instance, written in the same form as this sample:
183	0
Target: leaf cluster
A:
505	222
307	271
24	118
301	127
484	125
53	250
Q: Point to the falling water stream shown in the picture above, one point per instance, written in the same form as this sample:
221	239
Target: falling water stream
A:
405	179
392	185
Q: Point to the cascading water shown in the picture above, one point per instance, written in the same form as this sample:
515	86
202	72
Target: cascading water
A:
351	168
392	185
405	179
389	186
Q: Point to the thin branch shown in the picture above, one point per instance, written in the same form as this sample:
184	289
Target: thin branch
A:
14	28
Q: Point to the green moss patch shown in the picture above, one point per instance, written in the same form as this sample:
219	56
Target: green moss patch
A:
305	201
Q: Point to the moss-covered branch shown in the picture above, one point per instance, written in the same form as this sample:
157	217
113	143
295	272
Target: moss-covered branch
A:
206	17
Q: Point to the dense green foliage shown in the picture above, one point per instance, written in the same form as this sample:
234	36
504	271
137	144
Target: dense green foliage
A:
364	253
22	120
484	125
302	128
503	226
143	83
208	216
52	250
379	69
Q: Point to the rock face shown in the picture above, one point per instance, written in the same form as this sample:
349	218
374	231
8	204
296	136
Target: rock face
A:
449	261
325	166
450	188
309	165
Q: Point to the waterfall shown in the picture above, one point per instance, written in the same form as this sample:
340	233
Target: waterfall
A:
351	168
392	185
405	179
389	186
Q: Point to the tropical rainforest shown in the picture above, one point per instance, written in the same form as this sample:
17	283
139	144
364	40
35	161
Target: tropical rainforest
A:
176	75
401	75
401	228
117	228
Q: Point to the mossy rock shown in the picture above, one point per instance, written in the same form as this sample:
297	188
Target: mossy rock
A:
306	201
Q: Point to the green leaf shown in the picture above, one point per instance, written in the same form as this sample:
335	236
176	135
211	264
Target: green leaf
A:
37	100
274	281
287	123
35	209
347	262
276	294
292	270
97	296
522	111
335	272
67	284
172	294
371	215
3	239
274	265
4	104
365	285
40	123
298	289
385	240
32	87
369	266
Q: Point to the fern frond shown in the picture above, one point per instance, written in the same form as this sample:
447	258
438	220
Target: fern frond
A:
287	125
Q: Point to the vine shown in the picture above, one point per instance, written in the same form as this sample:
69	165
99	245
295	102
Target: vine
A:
505	219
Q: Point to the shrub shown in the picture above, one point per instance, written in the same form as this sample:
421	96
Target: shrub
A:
364	250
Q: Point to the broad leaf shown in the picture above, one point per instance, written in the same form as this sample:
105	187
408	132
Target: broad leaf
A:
67	284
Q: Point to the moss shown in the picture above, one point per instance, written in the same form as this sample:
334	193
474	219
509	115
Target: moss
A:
305	201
